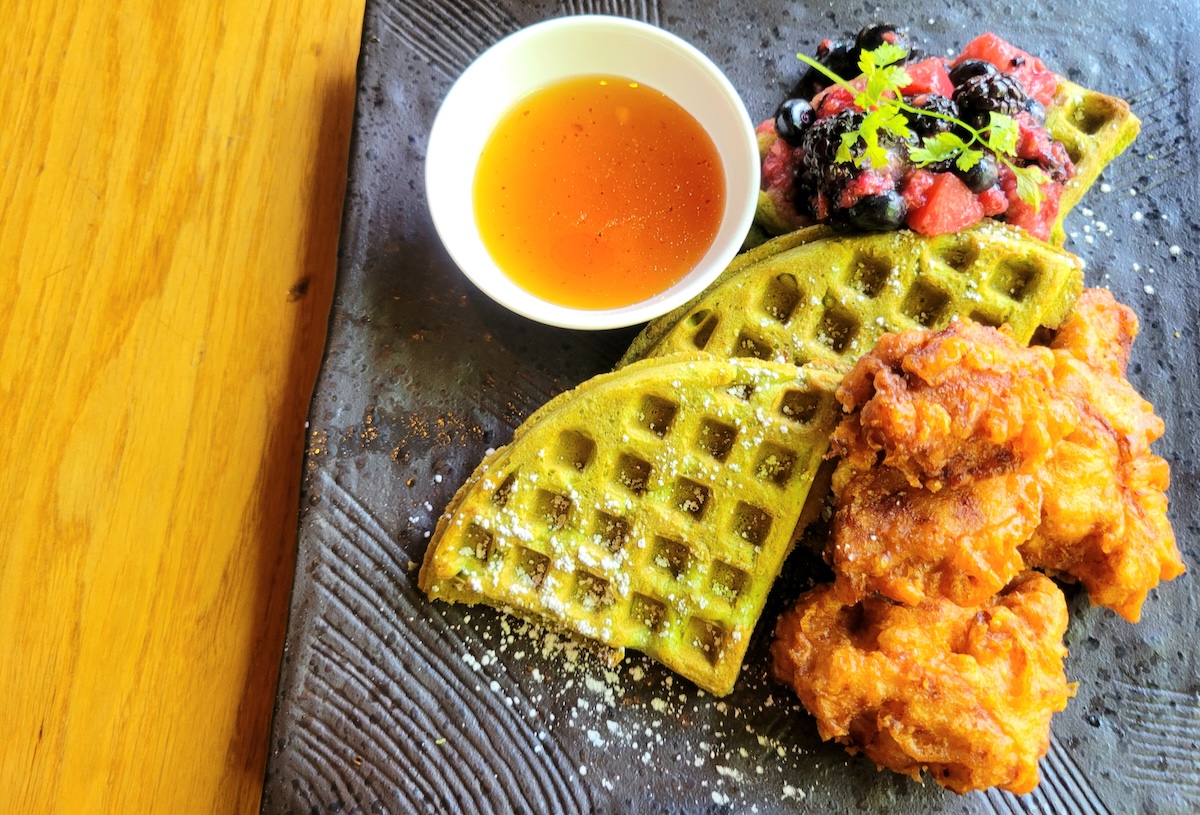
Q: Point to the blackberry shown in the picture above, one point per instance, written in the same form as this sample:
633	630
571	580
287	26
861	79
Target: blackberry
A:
822	141
839	57
969	68
926	126
792	118
874	36
981	95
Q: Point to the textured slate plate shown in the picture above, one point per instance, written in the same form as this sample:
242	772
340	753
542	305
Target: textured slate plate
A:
388	703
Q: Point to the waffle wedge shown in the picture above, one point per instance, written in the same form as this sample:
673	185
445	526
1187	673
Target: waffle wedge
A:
826	301
651	511
1094	127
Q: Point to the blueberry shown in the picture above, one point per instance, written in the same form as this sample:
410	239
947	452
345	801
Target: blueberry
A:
791	120
879	213
1036	109
984	175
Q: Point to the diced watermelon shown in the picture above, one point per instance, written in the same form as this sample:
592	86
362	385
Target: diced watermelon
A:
1039	81
1037	221
916	188
994	201
835	98
928	76
866	183
779	166
950	206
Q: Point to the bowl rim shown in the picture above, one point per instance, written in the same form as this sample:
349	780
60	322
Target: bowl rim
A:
460	235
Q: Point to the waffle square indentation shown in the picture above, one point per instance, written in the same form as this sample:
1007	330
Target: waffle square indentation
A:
648	612
504	491
575	449
479	542
672	556
553	509
705	323
591	592
706	638
775	464
532	567
726	581
750	523
632	473
748	345
925	304
869	274
781	297
960	255
837	329
691	497
1016	278
656	415
716	438
610	531
800	405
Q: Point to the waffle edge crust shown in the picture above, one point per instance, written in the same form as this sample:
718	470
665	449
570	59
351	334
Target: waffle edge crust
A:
651	508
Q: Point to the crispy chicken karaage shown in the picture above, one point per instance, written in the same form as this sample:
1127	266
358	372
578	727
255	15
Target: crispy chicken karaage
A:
965	459
946	406
1104	509
936	487
964	693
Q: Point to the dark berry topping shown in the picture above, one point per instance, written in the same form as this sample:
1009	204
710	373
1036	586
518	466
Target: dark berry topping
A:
874	36
879	213
926	126
979	96
969	68
792	118
839	57
1036	110
984	175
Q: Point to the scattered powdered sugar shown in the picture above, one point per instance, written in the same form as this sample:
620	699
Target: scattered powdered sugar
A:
638	720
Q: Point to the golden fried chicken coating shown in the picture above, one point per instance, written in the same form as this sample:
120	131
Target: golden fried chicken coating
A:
943	406
908	543
965	693
1104	511
935	489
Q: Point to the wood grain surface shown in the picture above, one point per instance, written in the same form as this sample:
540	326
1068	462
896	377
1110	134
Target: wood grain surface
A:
171	185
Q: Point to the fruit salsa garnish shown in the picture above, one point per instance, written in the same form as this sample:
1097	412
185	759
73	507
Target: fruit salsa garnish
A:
885	111
925	143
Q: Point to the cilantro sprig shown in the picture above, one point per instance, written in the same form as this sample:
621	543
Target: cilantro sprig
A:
884	112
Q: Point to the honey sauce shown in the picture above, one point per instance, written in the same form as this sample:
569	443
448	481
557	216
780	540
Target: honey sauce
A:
598	192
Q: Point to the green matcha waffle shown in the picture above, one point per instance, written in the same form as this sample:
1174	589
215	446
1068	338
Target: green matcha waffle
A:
653	510
1095	129
827	301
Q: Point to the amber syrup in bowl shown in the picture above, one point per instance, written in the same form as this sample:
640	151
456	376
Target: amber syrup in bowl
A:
598	192
592	172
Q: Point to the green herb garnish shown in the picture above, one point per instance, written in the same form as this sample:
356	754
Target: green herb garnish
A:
884	107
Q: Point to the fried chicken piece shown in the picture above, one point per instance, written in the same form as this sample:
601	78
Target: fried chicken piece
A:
909	543
936	488
965	693
1104	514
945	406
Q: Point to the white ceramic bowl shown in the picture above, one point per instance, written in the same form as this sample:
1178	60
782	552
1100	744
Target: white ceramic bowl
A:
540	55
